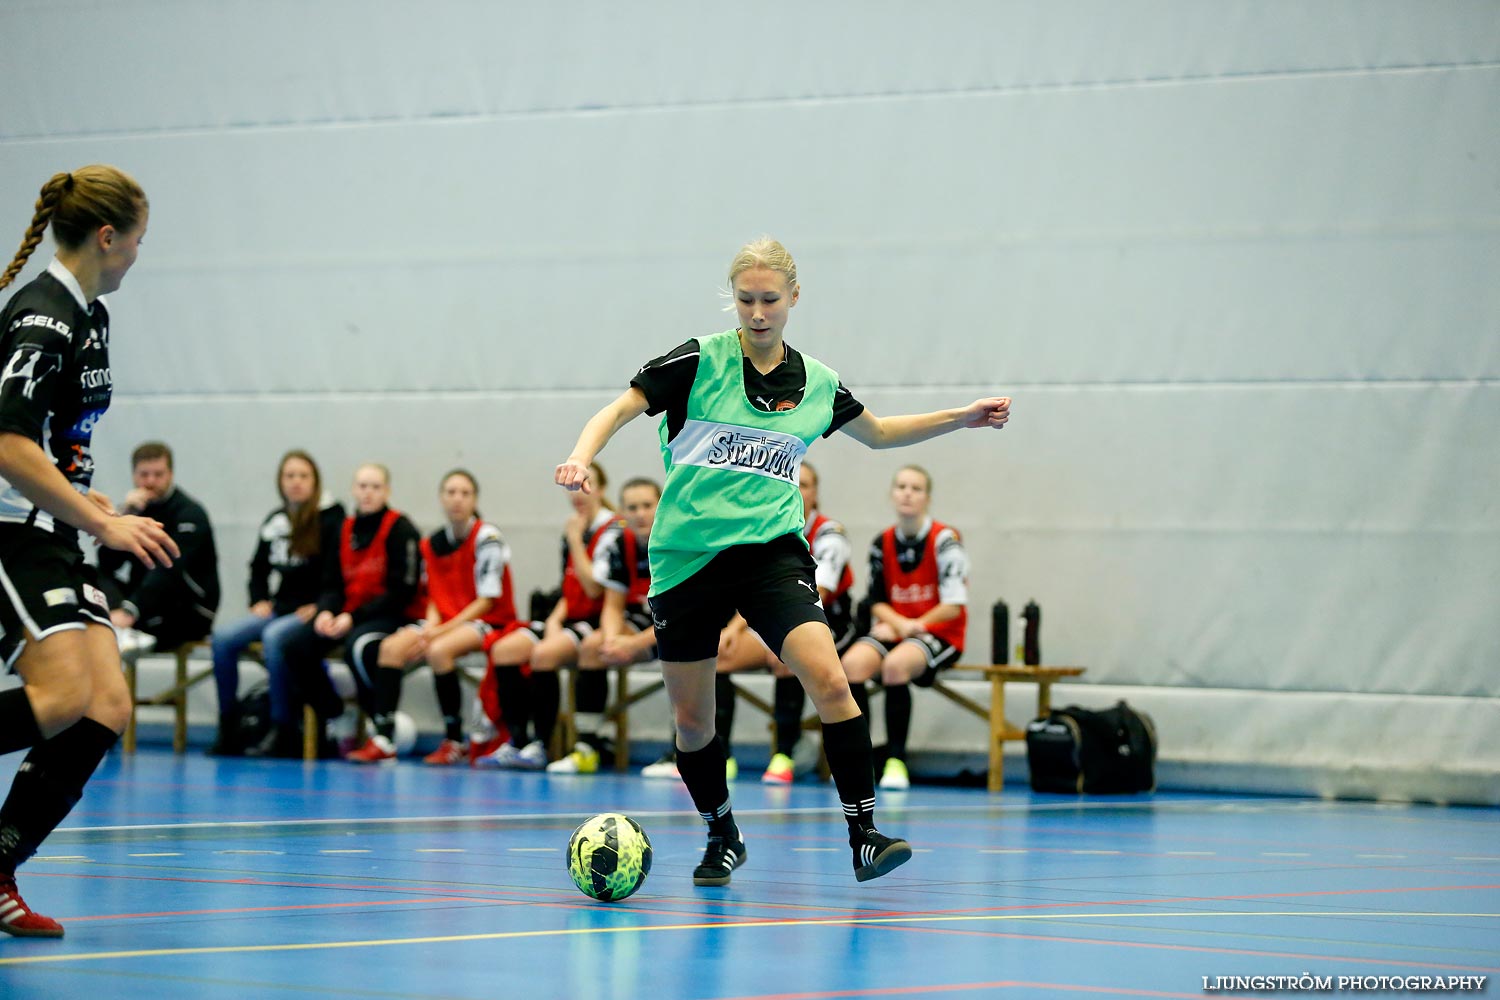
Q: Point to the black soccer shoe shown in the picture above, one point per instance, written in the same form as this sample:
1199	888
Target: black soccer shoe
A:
875	854
720	858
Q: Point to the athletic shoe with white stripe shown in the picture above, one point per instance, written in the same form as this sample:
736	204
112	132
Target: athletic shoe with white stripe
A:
875	854
377	750
720	859
17	918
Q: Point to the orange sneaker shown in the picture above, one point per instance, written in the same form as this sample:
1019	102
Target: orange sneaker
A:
448	753
17	918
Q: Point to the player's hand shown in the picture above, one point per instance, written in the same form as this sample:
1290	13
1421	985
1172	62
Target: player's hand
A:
882	632
306	612
102	502
616	652
909	627
991	412
261	609
574	475
143	537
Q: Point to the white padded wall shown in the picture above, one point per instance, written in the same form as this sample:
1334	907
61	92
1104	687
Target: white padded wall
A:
1235	262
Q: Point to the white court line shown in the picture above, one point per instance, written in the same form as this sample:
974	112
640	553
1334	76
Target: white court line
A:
1471	858
249	852
348	850
63	857
1382	857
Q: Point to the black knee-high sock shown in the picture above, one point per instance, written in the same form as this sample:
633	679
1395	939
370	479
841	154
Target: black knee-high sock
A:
861	696
450	702
703	773
847	746
387	697
514	695
545	695
724	699
46	787
18	728
591	697
787	707
897	719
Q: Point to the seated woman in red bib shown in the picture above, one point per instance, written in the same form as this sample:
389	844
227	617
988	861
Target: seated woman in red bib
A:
622	566
740	648
919	587
529	699
469	597
370	591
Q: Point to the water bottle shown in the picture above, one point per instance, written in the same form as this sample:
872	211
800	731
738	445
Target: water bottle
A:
1000	633
1031	650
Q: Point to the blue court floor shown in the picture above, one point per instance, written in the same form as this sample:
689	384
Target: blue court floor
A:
189	877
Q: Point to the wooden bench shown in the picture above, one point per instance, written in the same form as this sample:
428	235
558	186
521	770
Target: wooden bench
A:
1001	729
175	696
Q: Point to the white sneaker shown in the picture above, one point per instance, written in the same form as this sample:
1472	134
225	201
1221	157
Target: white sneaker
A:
532	757
503	759
134	642
666	767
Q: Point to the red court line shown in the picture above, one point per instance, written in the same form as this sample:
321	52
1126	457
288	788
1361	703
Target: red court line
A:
1002	984
1201	949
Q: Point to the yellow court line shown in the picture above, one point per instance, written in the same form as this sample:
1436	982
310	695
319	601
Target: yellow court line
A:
716	925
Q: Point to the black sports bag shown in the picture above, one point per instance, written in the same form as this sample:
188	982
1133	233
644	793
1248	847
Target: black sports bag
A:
1077	750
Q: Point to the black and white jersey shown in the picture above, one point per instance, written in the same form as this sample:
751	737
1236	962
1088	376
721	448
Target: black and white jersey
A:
667	382
491	556
54	382
611	568
952	563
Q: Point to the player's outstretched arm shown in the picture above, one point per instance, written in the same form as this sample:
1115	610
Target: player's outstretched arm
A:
573	474
893	432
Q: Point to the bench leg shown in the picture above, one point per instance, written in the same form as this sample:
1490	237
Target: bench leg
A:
309	733
179	703
128	740
621	715
997	735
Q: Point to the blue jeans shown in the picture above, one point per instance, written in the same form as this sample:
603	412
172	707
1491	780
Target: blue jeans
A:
229	641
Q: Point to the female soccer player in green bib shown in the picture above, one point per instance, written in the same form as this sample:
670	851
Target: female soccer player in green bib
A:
741	409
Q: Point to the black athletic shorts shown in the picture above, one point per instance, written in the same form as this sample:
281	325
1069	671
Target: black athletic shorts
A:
770	583
45	588
940	655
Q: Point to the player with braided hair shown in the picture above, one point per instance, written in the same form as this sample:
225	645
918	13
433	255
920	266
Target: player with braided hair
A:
55	632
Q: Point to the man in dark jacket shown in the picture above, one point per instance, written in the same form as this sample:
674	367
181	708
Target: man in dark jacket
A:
172	604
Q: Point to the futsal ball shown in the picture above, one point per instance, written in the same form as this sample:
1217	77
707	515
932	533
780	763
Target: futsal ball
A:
405	736
609	857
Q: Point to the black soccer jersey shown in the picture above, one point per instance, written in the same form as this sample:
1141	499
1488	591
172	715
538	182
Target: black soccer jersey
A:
667	382
55	382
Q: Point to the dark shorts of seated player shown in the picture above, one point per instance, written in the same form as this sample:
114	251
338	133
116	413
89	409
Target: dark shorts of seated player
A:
770	583
45	588
638	619
940	655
